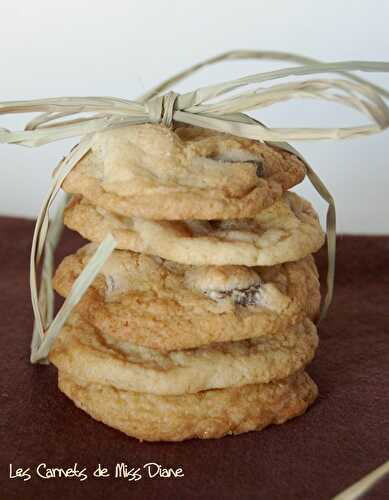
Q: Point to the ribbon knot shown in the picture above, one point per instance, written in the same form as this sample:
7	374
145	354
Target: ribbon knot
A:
161	108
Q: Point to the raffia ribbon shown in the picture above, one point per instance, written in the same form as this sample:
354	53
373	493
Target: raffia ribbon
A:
208	107
361	487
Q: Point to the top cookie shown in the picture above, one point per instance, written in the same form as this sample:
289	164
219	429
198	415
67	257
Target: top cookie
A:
155	172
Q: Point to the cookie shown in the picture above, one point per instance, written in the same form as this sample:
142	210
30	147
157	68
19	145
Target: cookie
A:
205	415
168	306
84	352
155	172
288	230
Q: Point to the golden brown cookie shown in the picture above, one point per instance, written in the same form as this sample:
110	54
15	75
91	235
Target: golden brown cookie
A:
288	230
87	354
156	172
169	306
208	414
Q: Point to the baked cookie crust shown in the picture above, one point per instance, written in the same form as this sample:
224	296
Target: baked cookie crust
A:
288	230
155	172
168	306
205	415
86	354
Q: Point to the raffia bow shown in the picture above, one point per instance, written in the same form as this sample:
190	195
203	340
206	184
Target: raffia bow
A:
205	107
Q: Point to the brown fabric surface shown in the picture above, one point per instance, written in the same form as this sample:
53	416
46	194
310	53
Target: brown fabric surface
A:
343	437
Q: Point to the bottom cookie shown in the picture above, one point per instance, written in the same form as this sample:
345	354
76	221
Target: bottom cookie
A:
204	415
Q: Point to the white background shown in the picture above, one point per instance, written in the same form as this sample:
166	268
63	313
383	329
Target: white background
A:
121	48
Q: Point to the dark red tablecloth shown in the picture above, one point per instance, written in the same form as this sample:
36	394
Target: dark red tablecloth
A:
343	437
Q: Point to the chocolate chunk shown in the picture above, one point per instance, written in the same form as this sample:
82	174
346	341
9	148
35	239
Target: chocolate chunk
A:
258	164
259	170
244	297
247	297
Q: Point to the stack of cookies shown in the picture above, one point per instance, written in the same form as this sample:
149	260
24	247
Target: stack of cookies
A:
201	323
